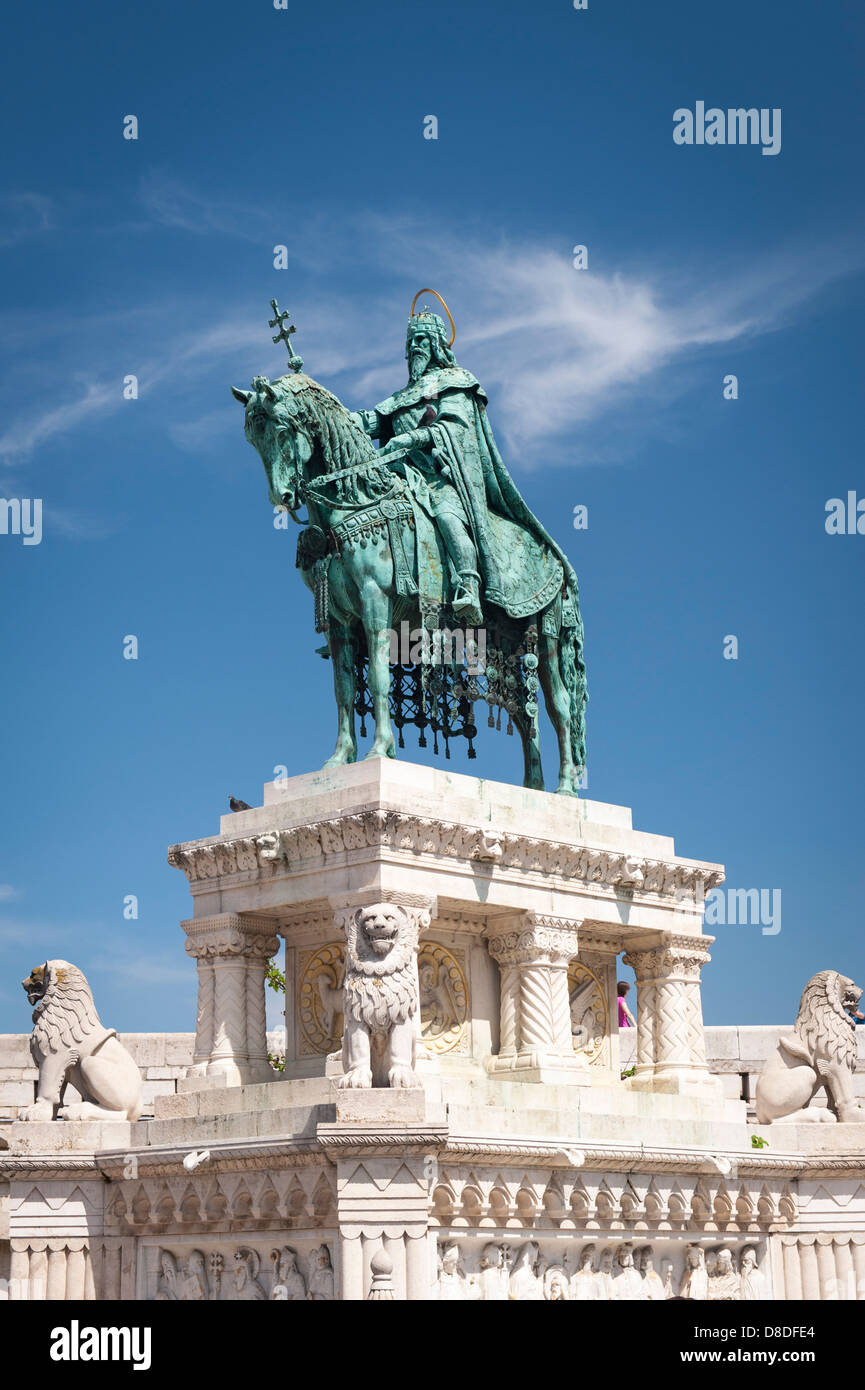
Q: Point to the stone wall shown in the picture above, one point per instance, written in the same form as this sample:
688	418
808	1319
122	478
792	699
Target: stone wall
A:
737	1056
162	1057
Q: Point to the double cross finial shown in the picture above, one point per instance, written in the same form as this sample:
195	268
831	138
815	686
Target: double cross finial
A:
284	334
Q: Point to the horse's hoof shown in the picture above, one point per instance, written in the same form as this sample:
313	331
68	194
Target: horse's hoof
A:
381	753
340	760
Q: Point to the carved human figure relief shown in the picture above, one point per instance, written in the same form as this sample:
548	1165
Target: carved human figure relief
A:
667	1276
524	1284
380	990
752	1284
493	1274
652	1281
724	1281
605	1274
247	1264
69	1045
627	1281
168	1283
286	1276
556	1285
451	1284
321	1280
695	1280
584	1283
195	1285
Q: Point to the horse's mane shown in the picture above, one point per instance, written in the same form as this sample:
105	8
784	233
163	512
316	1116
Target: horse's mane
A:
317	411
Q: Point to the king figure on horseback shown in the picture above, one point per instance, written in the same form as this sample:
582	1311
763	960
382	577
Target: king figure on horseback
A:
429	528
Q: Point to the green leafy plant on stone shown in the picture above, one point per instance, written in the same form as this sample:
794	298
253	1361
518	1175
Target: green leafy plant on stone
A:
274	979
629	1071
758	1142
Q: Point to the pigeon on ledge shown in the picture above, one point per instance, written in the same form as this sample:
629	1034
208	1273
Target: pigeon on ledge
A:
238	805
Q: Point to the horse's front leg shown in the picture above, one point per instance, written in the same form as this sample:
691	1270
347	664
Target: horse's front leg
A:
559	709
377	620
345	688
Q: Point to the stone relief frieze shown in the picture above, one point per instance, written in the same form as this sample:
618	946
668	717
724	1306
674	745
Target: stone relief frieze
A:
258	1198
589	1012
249	1273
659	1202
424	835
444	997
473	1269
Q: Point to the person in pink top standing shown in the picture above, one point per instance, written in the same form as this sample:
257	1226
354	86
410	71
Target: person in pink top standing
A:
626	1018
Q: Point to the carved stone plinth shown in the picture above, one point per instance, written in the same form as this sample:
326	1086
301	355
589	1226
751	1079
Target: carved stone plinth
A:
232	951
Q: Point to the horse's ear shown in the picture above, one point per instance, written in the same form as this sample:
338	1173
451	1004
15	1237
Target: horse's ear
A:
242	396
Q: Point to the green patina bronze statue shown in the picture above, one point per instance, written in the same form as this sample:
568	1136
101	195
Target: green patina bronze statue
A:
428	531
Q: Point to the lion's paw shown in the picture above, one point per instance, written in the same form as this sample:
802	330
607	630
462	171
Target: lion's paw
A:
358	1077
402	1076
39	1110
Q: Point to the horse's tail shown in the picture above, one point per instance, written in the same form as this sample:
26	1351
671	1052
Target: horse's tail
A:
572	668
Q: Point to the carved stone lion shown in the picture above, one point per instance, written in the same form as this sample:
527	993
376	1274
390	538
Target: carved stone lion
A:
380	996
821	1051
69	1044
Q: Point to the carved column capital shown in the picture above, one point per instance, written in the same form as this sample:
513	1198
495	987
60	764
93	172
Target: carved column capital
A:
231	934
674	958
528	938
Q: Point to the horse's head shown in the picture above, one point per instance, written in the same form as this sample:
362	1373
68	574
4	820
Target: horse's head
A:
274	427
300	429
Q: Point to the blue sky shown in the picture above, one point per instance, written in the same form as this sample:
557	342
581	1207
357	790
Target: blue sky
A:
706	517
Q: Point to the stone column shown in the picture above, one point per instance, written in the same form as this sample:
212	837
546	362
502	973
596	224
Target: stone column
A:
232	953
19	1271
532	952
671	1051
792	1269
844	1270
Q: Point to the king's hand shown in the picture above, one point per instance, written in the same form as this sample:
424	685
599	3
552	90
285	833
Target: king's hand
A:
400	443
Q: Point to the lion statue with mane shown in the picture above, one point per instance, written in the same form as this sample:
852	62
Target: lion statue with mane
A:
381	1040
821	1051
69	1044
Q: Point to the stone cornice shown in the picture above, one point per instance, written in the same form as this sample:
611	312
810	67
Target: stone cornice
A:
634	1159
421	835
337	1140
346	1140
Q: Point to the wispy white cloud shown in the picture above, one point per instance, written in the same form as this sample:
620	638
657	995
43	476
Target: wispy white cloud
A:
23	216
32	430
7	891
136	970
173	204
558	350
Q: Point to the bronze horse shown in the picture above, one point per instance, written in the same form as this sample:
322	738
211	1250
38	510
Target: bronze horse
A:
359	555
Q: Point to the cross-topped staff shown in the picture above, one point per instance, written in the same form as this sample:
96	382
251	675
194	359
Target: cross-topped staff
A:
284	334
